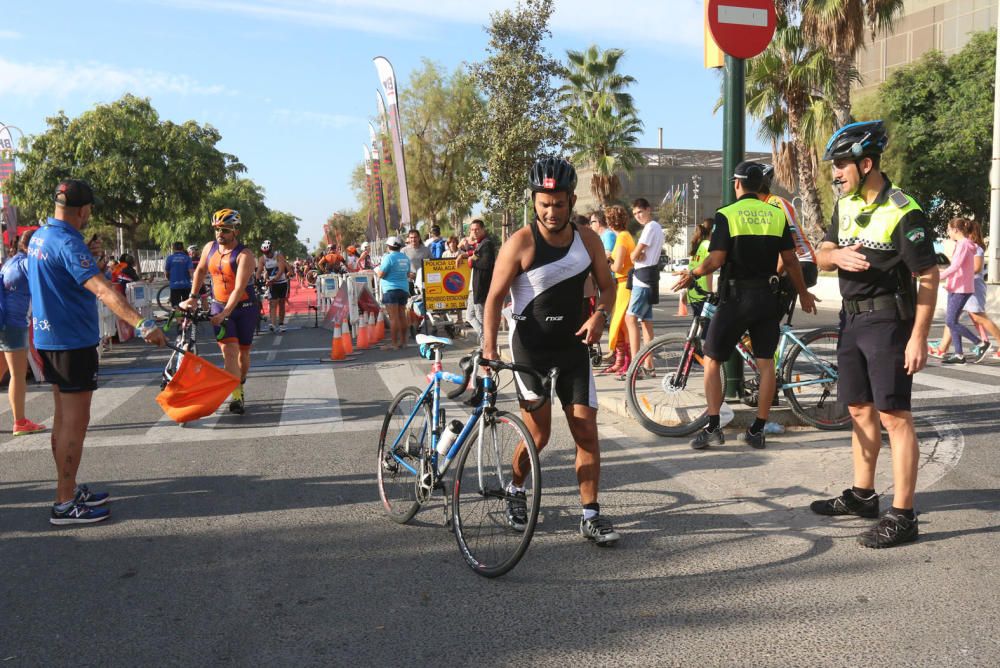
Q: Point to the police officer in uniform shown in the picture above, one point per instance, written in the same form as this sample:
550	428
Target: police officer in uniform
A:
878	241
748	238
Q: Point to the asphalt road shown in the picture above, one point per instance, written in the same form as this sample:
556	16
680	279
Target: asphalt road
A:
260	540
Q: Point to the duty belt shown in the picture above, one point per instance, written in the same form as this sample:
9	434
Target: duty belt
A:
770	282
855	306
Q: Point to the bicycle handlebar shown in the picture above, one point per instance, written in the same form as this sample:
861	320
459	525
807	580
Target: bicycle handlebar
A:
471	362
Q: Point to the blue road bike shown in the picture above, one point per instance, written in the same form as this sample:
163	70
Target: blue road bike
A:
493	520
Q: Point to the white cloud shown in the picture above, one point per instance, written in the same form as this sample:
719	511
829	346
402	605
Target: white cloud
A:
316	118
666	22
61	79
9	34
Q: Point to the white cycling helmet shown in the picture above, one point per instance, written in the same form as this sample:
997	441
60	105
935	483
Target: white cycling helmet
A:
393	242
266	246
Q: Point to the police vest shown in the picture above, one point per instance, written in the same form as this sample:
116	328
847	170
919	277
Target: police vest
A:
872	225
752	217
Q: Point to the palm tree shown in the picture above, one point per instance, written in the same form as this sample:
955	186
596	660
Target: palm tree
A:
788	90
605	141
839	26
601	118
592	82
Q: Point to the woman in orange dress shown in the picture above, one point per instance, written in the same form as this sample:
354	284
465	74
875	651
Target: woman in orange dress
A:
621	263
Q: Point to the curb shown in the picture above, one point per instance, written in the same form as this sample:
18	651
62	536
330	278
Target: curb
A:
612	399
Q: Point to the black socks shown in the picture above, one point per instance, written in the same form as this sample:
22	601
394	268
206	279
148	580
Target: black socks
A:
713	422
907	513
758	425
863	493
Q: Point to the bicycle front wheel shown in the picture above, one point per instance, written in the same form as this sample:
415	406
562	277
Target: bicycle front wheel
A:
665	386
493	523
403	452
809	379
163	298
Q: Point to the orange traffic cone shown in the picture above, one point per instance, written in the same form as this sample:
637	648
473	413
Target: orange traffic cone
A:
364	340
337	345
346	338
380	327
682	307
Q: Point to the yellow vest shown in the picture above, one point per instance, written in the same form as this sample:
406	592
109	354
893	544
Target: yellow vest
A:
752	217
872	225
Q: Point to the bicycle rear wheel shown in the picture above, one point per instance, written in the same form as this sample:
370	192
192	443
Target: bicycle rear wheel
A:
403	454
814	395
669	401
486	536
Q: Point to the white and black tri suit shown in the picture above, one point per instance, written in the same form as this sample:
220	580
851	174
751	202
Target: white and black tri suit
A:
547	313
279	288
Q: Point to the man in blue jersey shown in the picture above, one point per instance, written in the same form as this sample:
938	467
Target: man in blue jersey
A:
178	268
65	286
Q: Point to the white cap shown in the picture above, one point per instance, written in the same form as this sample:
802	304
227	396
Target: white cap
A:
364	245
394	242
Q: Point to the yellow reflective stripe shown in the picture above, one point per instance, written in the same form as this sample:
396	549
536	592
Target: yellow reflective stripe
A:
882	222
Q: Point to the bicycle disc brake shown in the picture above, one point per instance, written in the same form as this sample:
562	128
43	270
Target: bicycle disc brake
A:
670	385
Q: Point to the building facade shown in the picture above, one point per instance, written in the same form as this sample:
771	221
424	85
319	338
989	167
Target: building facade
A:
923	25
691	180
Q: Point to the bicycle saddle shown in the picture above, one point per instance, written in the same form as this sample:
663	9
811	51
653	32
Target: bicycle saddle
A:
438	340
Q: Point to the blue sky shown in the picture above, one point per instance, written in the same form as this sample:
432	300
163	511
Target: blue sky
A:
290	83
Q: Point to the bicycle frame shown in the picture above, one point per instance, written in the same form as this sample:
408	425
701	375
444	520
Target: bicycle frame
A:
440	465
786	334
787	342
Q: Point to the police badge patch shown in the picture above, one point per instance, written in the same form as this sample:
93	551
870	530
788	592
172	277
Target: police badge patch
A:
915	235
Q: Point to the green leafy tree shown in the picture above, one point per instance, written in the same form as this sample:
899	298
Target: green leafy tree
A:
145	170
346	228
939	114
521	119
601	118
442	169
258	221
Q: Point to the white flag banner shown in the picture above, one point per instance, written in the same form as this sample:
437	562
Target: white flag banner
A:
388	78
378	200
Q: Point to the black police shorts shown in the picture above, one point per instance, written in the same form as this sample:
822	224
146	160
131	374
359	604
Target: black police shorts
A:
752	310
71	370
870	360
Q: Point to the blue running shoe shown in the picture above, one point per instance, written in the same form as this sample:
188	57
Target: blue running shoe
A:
90	499
77	513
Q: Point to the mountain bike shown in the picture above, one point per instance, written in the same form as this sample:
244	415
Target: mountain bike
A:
187	339
664	385
414	454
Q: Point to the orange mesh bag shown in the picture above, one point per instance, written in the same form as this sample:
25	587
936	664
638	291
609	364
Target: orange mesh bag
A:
196	390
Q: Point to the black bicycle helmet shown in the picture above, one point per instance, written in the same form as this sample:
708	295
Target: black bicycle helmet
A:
857	140
550	174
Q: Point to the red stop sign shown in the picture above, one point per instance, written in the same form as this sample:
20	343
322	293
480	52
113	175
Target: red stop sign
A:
742	28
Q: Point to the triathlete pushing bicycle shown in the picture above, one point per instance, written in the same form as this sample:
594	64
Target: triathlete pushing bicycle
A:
234	304
544	267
